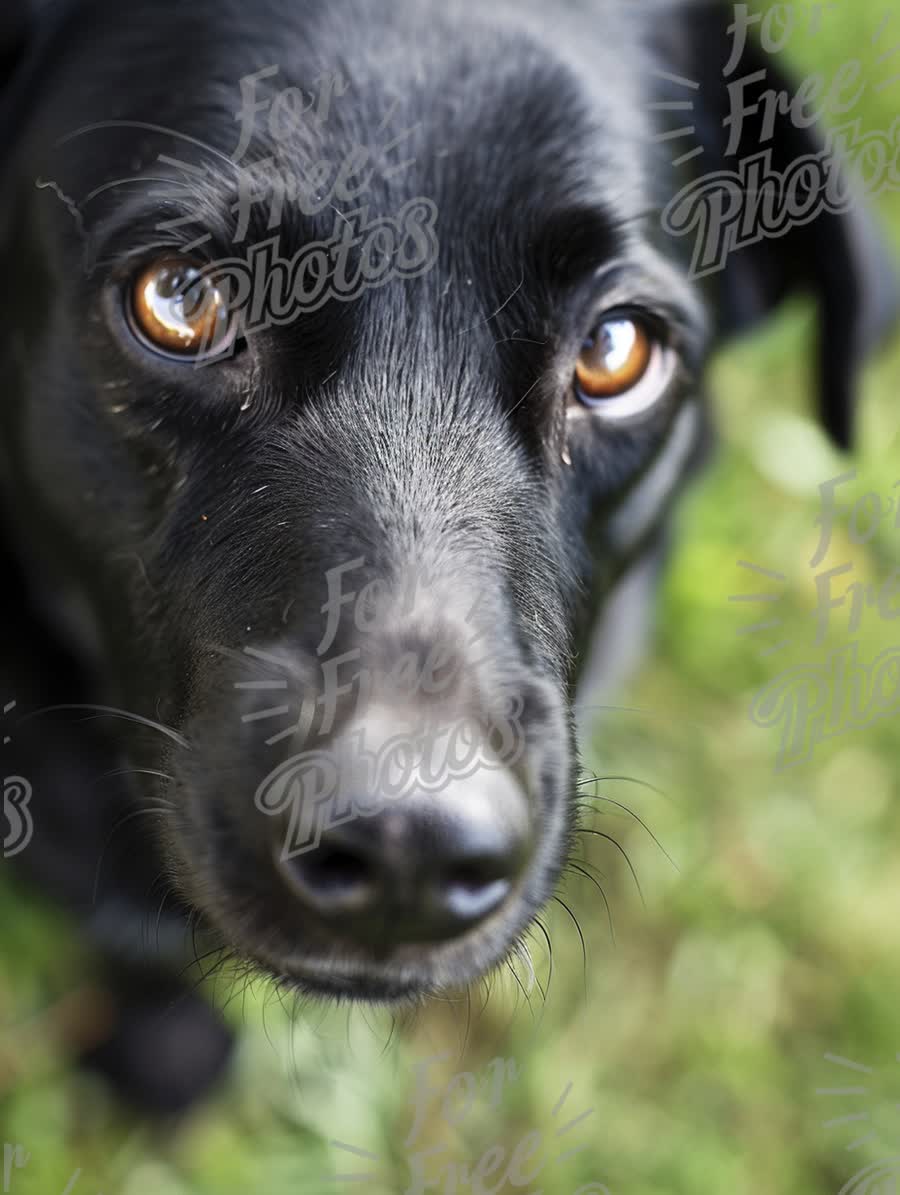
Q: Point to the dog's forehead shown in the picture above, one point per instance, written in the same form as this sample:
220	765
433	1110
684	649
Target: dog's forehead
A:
457	94
497	162
483	110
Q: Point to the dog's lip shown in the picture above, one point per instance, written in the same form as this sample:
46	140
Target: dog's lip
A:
377	989
389	980
400	975
403	973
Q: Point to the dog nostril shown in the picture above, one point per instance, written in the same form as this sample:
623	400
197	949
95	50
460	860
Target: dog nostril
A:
337	869
467	875
473	889
392	869
333	879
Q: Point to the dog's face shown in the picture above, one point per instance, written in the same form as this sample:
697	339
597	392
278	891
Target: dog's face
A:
392	505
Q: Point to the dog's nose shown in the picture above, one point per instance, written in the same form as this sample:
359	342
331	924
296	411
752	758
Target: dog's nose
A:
413	862
416	872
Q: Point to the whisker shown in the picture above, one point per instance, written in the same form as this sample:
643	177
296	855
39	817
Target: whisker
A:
625	709
120	182
560	901
627	780
640	821
622	852
512	971
137	772
113	712
577	867
152	128
521	950
162	904
540	925
159	812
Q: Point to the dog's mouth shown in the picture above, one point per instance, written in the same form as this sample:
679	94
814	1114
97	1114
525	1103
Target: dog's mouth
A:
253	915
404	976
314	960
382	897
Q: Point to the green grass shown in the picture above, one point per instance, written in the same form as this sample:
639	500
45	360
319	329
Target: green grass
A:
770	942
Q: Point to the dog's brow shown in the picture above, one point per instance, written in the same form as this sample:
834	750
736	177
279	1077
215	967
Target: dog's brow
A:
573	242
169	217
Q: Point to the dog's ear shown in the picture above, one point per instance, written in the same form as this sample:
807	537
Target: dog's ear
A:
771	205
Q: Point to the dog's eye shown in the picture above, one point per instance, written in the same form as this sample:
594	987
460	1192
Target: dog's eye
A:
623	366
178	311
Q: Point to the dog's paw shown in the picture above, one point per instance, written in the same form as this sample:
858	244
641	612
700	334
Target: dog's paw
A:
166	1049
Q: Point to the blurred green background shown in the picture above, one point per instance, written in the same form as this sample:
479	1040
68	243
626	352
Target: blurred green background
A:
702	1022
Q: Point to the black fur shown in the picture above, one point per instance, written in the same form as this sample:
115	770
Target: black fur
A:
158	519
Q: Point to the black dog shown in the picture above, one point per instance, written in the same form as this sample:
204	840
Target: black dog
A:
358	518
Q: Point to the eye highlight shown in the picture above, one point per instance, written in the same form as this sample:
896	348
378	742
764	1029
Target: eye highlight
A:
178	311
613	358
623	367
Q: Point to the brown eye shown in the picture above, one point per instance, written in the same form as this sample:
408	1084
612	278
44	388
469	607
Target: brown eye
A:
179	311
614	358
